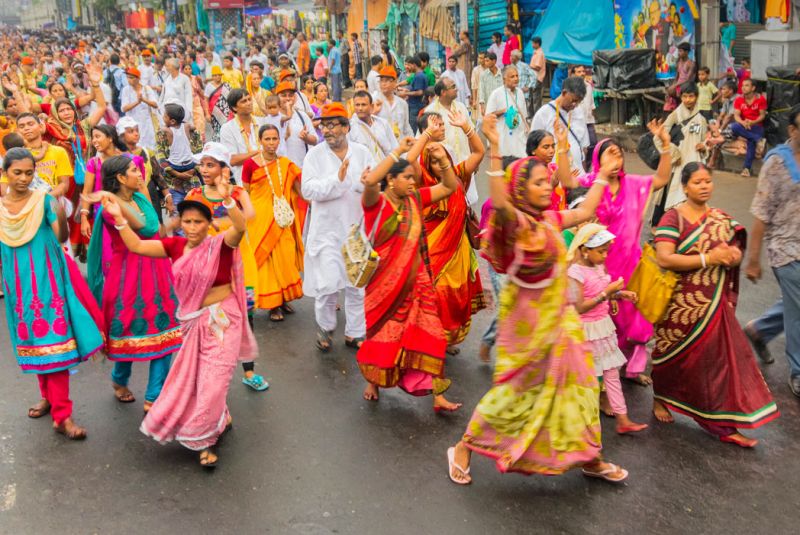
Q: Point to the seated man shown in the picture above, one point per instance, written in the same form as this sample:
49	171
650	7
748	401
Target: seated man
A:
749	111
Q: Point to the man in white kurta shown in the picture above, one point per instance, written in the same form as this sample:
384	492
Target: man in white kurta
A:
332	183
569	113
369	130
459	78
391	107
508	103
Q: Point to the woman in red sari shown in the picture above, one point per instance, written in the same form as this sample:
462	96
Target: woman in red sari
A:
405	343
702	363
454	263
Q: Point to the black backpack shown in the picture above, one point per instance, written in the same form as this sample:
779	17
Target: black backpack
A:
116	101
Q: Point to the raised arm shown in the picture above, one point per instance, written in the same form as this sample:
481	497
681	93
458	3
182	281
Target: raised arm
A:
319	185
152	248
236	232
563	173
664	171
373	177
95	76
586	210
476	148
497	184
449	182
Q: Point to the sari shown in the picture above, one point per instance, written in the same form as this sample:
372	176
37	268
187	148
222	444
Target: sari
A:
218	109
135	292
198	114
703	366
542	413
454	263
52	318
623	215
192	408
405	344
278	251
245	246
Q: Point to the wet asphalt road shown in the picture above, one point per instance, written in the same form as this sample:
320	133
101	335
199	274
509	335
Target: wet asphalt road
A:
309	456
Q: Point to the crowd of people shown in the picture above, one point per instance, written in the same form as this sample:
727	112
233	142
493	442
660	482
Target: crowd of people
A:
200	188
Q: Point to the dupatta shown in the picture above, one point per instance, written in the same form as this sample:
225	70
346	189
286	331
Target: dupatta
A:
18	229
100	250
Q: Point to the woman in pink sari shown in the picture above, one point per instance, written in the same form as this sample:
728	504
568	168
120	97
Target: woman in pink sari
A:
622	209
209	284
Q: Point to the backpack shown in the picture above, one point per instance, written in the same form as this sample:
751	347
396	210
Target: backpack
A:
116	101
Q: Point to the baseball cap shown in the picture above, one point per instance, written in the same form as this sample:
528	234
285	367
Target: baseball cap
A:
388	72
215	150
126	122
334	110
285	86
133	71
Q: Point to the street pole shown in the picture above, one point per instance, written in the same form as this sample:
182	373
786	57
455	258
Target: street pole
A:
709	42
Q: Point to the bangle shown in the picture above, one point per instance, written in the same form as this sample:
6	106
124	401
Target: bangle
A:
168	196
495	157
95	85
394	157
703	259
603	296
668	151
85	211
122	226
495	173
470	132
230	204
427	134
563	151
600	181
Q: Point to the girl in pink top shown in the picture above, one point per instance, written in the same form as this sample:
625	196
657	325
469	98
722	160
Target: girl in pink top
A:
595	297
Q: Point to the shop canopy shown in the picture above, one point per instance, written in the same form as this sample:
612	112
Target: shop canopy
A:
572	29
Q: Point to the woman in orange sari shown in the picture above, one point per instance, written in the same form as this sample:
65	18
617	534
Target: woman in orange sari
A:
405	344
276	231
453	261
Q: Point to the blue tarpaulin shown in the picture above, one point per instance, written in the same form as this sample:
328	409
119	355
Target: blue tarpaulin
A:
572	29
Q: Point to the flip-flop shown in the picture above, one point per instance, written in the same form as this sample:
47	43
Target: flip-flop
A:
355	343
324	340
37	412
120	397
208	465
256	382
606	473
276	314
287	309
451	463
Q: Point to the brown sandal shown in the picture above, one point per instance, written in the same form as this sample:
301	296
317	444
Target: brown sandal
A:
40	409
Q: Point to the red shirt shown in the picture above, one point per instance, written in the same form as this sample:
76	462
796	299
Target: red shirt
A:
750	111
175	245
511	44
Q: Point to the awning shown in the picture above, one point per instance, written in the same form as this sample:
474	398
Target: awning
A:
436	22
258	11
572	29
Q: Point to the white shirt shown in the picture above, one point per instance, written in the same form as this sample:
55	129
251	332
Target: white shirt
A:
378	137
230	135
261	58
142	114
587	104
395	113
335	207
455	139
498	50
178	89
578	134
373	81
512	140
148	77
460	79
296	148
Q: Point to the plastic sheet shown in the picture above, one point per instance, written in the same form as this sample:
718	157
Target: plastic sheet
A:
783	96
621	69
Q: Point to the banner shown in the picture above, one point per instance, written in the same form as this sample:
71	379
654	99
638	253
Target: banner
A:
658	24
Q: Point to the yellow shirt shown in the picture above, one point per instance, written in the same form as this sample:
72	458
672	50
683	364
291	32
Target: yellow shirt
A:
234	78
54	164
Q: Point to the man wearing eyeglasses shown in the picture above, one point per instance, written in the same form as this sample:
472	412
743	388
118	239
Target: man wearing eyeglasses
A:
565	109
332	183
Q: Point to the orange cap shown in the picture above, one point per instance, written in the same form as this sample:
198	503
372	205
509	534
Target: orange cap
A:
388	72
147	52
27	60
133	71
285	73
334	110
285	86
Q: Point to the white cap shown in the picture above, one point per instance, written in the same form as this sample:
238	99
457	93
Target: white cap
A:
125	123
215	150
598	239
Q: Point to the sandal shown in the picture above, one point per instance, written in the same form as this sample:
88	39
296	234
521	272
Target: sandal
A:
355	343
324	340
276	314
451	463
147	406
606	474
287	308
256	382
40	409
204	462
122	393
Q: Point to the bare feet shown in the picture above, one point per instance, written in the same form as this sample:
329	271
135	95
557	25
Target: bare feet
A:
661	412
440	404
625	425
603	470
740	440
70	429
123	394
453	350
208	459
40	409
485	352
371	392
605	406
458	459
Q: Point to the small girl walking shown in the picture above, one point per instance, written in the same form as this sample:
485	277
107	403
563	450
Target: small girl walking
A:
595	298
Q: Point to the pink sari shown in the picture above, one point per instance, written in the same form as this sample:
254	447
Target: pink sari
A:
192	408
623	214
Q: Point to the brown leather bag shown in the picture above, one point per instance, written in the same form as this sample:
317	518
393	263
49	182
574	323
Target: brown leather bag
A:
473	228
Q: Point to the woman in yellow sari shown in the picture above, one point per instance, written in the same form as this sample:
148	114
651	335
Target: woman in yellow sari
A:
276	230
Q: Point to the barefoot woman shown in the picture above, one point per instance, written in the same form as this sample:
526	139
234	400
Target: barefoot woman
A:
50	330
405	344
541	415
209	284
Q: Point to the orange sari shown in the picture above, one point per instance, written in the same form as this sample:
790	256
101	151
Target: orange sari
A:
278	251
453	262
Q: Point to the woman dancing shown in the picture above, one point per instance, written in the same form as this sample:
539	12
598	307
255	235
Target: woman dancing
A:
541	415
209	284
702	363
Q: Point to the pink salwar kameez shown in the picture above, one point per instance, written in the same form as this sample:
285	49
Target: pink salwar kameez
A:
192	407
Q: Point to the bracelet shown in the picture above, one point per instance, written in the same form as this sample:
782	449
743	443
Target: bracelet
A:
168	196
563	151
495	157
394	157
703	259
470	132
668	151
122	226
495	173
427	134
601	182
603	296
229	205
85	211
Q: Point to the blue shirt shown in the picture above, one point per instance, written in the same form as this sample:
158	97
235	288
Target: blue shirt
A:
335	61
420	82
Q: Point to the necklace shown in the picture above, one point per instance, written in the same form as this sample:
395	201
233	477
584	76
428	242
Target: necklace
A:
281	210
133	206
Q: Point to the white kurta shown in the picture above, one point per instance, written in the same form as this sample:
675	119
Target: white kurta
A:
460	79
396	113
142	114
296	148
378	138
335	207
577	135
231	135
512	140
178	90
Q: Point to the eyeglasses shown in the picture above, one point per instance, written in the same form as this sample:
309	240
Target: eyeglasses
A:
329	125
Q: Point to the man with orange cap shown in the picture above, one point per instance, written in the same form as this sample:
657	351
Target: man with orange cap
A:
28	77
148	72
391	107
297	129
141	103
332	183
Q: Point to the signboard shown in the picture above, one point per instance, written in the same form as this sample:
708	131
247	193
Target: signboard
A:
658	24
